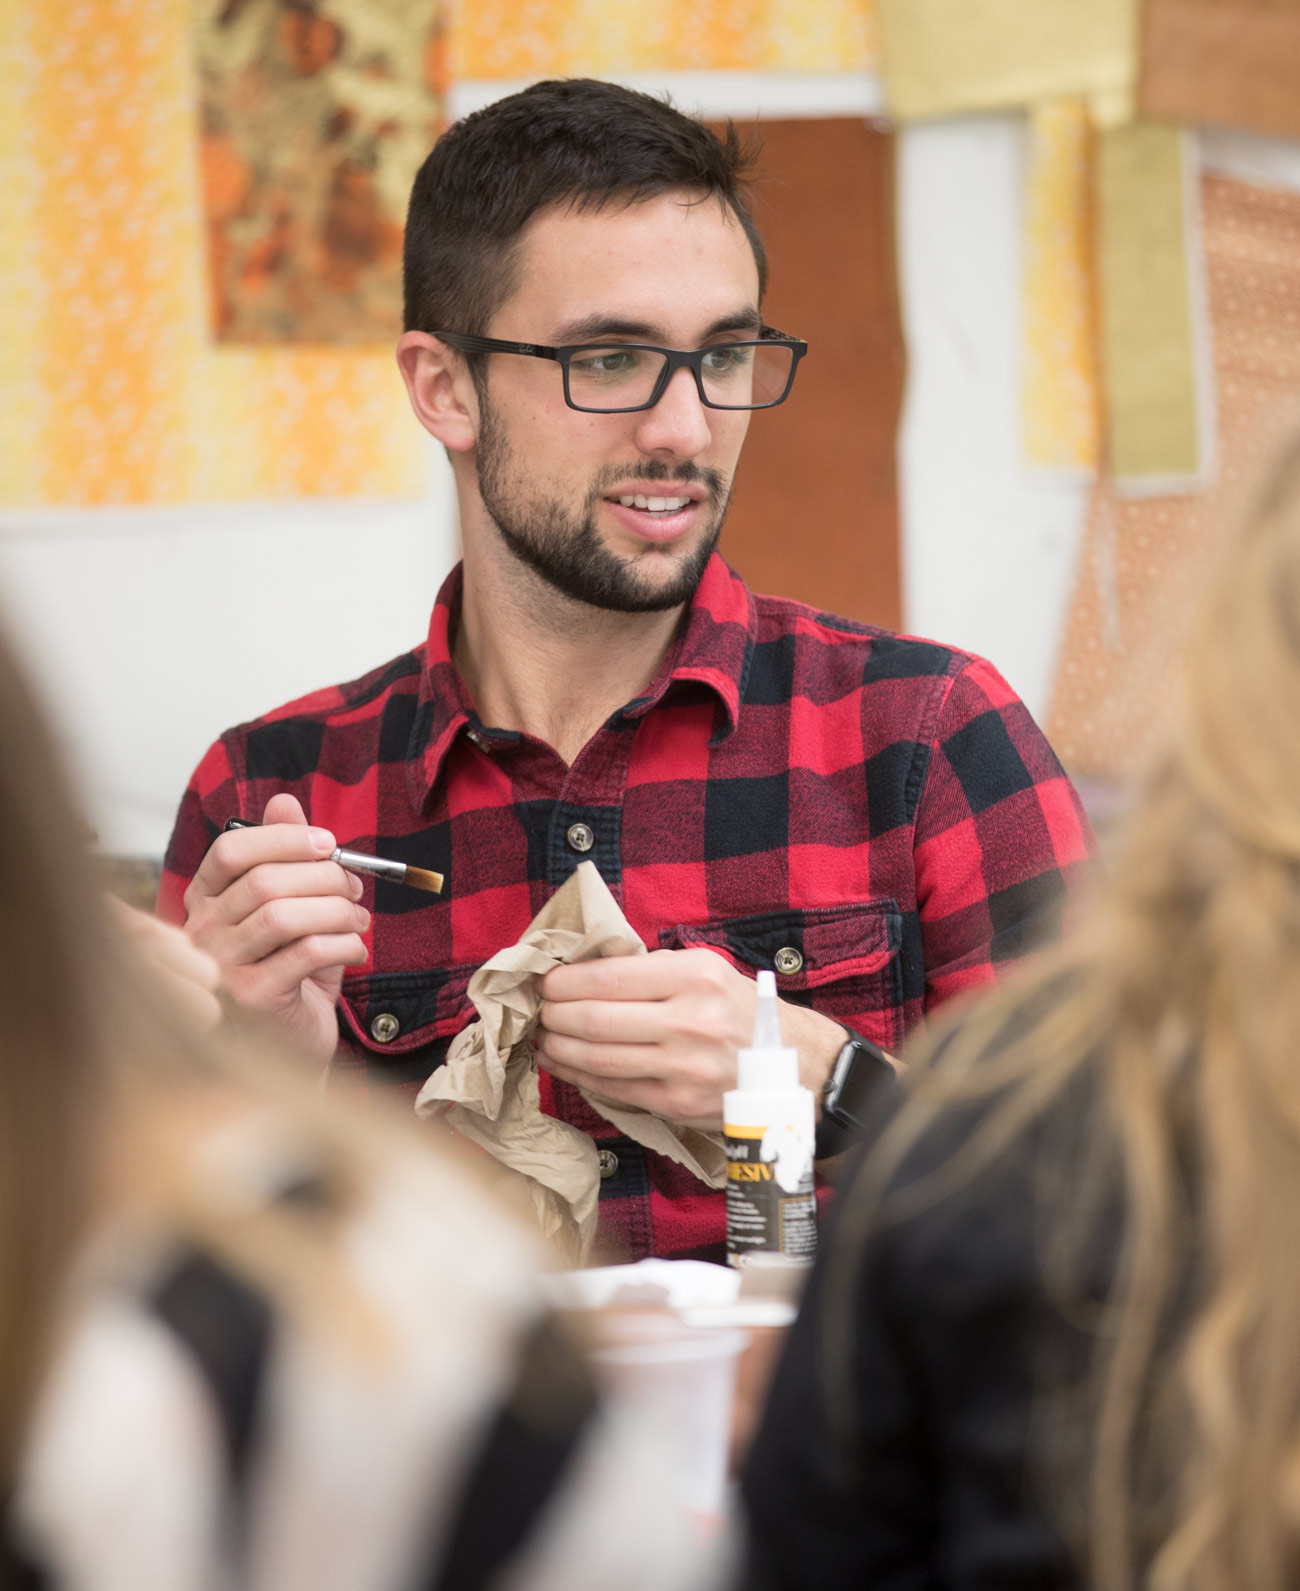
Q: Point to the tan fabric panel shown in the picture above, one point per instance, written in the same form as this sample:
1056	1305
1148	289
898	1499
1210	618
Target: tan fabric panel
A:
815	510
1146	305
1235	62
946	57
1143	560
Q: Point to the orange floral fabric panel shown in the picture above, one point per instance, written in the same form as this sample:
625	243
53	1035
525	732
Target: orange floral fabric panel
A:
112	390
315	119
1143	558
492	39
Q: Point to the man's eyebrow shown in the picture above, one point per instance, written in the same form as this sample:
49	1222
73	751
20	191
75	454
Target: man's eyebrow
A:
593	327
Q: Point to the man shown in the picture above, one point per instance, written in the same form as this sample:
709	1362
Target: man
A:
877	818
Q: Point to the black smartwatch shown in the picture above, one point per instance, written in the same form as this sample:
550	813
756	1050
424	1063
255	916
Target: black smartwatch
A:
858	1068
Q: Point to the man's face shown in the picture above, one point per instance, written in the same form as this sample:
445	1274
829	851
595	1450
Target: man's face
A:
561	485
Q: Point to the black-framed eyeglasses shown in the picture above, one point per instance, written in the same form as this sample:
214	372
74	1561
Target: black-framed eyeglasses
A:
620	378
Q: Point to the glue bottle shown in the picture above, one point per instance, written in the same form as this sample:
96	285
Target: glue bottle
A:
769	1123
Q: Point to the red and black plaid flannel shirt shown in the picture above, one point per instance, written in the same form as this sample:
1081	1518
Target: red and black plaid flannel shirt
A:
881	806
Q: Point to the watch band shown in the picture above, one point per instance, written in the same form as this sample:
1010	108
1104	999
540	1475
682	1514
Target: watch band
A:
858	1068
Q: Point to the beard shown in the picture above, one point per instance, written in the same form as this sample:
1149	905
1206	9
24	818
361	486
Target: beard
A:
565	547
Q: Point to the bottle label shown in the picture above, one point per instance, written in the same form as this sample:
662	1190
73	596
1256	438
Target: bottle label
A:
771	1205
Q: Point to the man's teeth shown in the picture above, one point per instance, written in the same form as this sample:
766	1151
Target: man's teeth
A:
656	505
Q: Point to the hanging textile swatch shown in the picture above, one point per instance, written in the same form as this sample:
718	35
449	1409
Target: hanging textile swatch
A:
1231	62
1059	399
1145	559
111	388
494	39
1157	391
945	57
315	120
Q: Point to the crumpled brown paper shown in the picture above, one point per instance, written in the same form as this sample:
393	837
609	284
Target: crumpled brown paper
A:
487	1088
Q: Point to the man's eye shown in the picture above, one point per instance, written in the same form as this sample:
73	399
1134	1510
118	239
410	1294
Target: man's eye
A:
727	360
606	362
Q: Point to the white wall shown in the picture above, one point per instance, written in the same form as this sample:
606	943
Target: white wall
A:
989	544
152	630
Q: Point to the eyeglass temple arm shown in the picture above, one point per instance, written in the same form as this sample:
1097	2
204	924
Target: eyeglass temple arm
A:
491	345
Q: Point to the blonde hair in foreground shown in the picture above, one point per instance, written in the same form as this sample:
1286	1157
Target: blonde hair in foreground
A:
111	1103
1182	991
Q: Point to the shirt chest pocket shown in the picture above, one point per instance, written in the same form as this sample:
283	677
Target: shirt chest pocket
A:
843	961
399	1024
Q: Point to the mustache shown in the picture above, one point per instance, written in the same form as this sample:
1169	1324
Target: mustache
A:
713	481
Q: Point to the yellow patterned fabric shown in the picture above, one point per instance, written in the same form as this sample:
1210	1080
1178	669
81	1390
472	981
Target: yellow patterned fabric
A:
1059	399
594	38
111	389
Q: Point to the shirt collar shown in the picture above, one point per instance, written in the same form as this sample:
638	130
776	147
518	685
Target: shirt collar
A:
713	649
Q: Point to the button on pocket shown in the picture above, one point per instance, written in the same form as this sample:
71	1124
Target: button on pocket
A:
608	1162
787	960
580	837
385	1028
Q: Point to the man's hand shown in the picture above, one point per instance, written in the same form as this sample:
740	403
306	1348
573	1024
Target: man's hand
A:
189	976
661	1031
281	921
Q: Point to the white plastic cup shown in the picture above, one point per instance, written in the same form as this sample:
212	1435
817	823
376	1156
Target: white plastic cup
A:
683	1380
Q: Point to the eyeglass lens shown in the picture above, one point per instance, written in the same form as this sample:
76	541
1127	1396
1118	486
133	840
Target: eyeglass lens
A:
735	375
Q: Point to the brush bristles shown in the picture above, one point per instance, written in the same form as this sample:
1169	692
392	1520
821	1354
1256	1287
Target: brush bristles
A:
423	878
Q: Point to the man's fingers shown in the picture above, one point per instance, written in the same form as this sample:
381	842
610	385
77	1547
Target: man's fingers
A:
283	808
658	976
236	852
281	921
624	1061
272	881
266	983
607	1021
691	1107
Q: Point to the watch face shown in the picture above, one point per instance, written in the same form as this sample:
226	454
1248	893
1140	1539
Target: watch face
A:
857	1072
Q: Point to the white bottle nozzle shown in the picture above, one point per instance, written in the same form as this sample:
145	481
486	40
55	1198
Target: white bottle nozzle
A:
767	1066
767	1024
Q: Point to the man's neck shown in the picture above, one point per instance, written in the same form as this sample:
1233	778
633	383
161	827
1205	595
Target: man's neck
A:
538	661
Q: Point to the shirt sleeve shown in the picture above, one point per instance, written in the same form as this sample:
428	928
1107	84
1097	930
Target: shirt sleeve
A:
214	794
1000	840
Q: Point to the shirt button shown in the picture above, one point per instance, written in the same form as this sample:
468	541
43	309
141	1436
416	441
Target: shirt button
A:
787	960
608	1161
580	837
385	1028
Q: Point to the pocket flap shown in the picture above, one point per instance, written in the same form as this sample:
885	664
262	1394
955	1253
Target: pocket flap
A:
805	949
391	1014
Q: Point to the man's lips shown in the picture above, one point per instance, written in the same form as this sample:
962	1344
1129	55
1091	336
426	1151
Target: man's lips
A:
657	512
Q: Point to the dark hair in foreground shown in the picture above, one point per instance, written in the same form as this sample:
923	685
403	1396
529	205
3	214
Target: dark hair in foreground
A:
49	1054
1178	1005
101	1080
578	142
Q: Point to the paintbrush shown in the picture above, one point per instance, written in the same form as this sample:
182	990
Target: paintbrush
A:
378	866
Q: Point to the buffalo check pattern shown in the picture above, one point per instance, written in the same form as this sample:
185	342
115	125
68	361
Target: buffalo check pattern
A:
880	808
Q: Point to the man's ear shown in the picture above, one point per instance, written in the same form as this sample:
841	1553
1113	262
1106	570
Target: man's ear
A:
440	388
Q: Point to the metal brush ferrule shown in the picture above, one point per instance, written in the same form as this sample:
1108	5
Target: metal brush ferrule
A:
379	866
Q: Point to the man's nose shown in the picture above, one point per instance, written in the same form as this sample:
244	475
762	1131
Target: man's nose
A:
679	423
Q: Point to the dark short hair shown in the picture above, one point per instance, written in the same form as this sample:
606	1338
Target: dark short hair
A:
576	141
